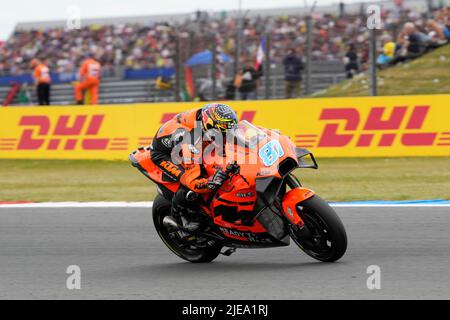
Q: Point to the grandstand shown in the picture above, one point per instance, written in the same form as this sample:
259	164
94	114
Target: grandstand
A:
134	51
415	5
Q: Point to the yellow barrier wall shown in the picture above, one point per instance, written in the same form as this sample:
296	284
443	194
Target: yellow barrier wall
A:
341	127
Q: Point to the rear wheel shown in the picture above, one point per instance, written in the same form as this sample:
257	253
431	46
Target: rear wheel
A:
185	249
324	237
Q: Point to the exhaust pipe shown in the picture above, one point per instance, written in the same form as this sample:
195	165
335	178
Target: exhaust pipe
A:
170	222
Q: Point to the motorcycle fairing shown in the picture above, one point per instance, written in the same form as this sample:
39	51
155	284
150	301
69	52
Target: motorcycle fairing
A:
291	200
255	194
141	159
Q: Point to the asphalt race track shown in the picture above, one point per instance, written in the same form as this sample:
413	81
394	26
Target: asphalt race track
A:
121	257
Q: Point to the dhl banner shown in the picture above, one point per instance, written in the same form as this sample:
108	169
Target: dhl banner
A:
333	127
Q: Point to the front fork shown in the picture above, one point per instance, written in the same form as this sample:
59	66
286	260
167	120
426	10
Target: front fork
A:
291	200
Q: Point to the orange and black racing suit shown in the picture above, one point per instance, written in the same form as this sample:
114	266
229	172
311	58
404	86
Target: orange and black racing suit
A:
180	132
173	134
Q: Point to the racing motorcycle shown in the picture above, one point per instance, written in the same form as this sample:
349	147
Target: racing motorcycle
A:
261	205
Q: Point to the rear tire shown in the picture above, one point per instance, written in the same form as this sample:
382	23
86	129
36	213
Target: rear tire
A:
329	241
161	208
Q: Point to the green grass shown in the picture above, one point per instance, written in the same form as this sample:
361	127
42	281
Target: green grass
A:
426	75
337	179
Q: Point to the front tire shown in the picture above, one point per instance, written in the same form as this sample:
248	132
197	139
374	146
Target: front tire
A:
161	208
325	239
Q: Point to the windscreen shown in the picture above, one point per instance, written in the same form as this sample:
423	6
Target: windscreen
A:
246	135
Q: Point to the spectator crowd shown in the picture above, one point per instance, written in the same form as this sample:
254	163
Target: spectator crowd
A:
406	34
134	46
416	37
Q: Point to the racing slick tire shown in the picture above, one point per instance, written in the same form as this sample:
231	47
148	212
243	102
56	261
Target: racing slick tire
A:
326	240
170	237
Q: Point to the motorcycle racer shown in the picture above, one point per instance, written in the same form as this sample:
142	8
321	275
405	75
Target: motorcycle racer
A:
185	132
258	203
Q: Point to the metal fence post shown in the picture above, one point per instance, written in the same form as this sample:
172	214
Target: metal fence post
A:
267	66
238	39
214	67
372	62
430	9
177	70
309	26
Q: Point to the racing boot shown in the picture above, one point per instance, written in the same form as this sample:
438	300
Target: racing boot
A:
191	217
185	218
188	221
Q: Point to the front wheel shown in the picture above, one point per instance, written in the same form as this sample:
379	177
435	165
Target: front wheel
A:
324	237
172	239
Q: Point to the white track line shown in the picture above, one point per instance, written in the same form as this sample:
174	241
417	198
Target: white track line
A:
380	205
149	204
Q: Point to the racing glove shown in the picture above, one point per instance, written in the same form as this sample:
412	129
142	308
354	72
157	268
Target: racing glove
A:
216	180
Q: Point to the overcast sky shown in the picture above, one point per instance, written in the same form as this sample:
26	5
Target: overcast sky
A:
13	11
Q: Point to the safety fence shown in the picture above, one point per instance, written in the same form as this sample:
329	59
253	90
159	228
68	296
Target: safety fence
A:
335	127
